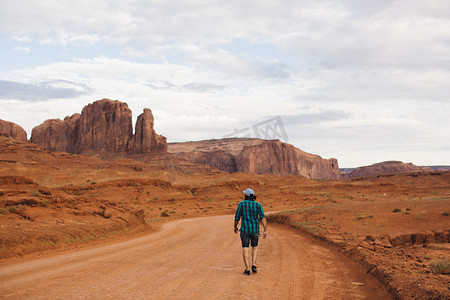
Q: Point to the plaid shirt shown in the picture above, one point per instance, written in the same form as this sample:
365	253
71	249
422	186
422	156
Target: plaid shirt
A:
250	211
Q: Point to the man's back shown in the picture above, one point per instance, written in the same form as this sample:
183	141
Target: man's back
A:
250	212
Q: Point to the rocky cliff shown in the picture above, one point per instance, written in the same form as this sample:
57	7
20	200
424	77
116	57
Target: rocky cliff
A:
103	127
13	130
256	156
387	167
145	139
56	134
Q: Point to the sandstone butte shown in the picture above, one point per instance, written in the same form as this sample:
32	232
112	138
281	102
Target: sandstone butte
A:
103	127
387	167
257	156
12	130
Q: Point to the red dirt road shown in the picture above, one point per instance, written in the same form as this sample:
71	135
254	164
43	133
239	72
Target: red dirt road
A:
192	259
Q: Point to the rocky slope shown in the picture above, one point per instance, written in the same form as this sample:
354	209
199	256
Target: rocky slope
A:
13	130
103	127
256	156
387	167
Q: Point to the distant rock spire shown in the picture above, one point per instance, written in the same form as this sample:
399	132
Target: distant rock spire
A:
145	139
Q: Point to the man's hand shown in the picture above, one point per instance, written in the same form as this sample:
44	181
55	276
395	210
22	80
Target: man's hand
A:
264	223
236	222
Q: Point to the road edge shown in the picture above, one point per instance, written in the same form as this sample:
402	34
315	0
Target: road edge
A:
377	272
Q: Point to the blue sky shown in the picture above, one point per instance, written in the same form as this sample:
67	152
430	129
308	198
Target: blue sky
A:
360	81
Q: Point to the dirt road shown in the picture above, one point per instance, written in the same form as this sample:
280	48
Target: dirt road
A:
191	259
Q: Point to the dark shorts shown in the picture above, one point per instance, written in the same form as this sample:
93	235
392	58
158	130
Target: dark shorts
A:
247	237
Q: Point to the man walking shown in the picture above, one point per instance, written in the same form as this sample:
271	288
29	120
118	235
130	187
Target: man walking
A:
249	212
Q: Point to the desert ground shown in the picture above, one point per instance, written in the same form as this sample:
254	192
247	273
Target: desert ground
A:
77	226
192	259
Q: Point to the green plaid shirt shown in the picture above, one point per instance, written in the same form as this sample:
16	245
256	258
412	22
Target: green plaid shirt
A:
250	211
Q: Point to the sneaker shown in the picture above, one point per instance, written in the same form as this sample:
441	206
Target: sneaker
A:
254	270
247	272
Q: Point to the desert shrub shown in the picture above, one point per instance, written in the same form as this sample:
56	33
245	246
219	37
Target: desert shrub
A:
310	226
396	210
165	213
35	194
44	203
446	213
361	216
279	218
440	266
70	241
89	238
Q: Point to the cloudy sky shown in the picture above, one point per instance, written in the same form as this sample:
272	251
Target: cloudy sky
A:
361	81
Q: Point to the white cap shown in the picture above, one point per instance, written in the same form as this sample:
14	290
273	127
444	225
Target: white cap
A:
249	192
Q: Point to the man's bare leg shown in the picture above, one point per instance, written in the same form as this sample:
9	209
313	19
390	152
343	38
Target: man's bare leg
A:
246	258
254	253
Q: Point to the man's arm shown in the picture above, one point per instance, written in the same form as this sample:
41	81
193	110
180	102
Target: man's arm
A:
263	220
264	223
237	217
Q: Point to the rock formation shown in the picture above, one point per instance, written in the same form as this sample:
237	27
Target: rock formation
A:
145	140
56	134
257	156
103	127
387	167
13	130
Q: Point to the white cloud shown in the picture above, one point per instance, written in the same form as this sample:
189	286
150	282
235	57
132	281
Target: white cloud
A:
130	51
24	49
72	39
22	39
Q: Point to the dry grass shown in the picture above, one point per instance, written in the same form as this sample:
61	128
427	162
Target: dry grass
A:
440	266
